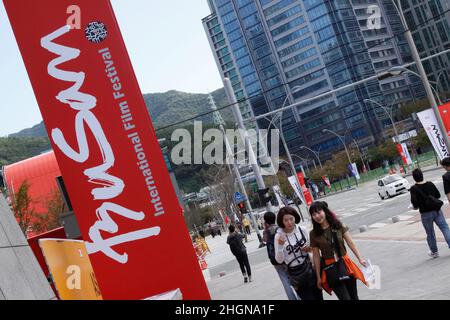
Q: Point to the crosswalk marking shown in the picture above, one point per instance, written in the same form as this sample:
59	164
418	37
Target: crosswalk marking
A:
372	205
343	215
377	225
404	217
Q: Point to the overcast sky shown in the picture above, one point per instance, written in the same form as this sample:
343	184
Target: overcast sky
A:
166	42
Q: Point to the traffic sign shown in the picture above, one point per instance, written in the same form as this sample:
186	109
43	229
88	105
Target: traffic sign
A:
238	197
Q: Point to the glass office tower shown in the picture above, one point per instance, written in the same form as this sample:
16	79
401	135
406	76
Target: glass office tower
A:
291	50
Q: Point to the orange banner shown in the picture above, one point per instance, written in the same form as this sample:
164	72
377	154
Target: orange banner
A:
70	269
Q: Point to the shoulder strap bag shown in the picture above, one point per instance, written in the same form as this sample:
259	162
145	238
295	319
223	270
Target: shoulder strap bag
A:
430	201
336	271
301	275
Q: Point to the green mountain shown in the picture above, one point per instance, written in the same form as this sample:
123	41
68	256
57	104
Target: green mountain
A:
165	109
175	106
14	149
36	131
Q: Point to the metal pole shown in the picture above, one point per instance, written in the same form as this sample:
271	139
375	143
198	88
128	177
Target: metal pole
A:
252	158
397	137
345	146
390	118
288	153
291	164
438	82
315	153
423	75
237	174
360	154
435	91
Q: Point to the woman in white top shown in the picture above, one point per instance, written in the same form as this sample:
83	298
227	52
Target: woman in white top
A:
292	247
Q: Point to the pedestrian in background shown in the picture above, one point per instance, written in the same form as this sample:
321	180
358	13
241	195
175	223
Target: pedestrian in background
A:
239	250
246	224
335	271
425	197
445	163
270	230
292	248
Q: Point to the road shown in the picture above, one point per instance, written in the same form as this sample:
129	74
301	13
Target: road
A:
355	208
405	273
363	206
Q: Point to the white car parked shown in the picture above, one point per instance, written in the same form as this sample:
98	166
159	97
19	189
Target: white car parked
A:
392	185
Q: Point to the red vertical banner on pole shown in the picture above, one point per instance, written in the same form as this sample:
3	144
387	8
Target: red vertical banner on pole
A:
306	193
444	110
401	153
327	181
106	148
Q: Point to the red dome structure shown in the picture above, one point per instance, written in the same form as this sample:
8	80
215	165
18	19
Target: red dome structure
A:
40	172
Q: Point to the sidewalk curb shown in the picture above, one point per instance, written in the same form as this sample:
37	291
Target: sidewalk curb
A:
427	170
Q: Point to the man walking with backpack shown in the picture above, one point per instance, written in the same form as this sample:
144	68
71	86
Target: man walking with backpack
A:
239	250
270	229
425	197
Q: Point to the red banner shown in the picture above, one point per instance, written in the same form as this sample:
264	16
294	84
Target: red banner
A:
326	180
106	148
401	153
444	110
306	193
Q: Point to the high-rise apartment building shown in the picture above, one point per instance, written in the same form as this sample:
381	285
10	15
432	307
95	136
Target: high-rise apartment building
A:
429	21
291	50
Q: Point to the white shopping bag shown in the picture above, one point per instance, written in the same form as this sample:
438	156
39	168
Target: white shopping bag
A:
368	272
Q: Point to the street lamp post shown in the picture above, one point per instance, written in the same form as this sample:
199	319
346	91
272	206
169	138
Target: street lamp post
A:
343	142
389	115
360	154
422	73
316	153
283	140
438	83
237	174
435	90
345	146
301	163
397	137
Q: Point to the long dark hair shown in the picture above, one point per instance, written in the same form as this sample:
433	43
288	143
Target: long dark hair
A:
329	215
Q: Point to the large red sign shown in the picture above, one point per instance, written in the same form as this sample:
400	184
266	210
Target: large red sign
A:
106	148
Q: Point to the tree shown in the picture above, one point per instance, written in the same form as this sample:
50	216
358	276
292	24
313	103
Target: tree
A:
413	107
22	205
221	188
50	220
337	167
386	151
421	140
285	185
317	174
15	149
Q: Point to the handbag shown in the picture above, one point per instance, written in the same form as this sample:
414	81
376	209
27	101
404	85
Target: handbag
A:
430	201
336	271
301	275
